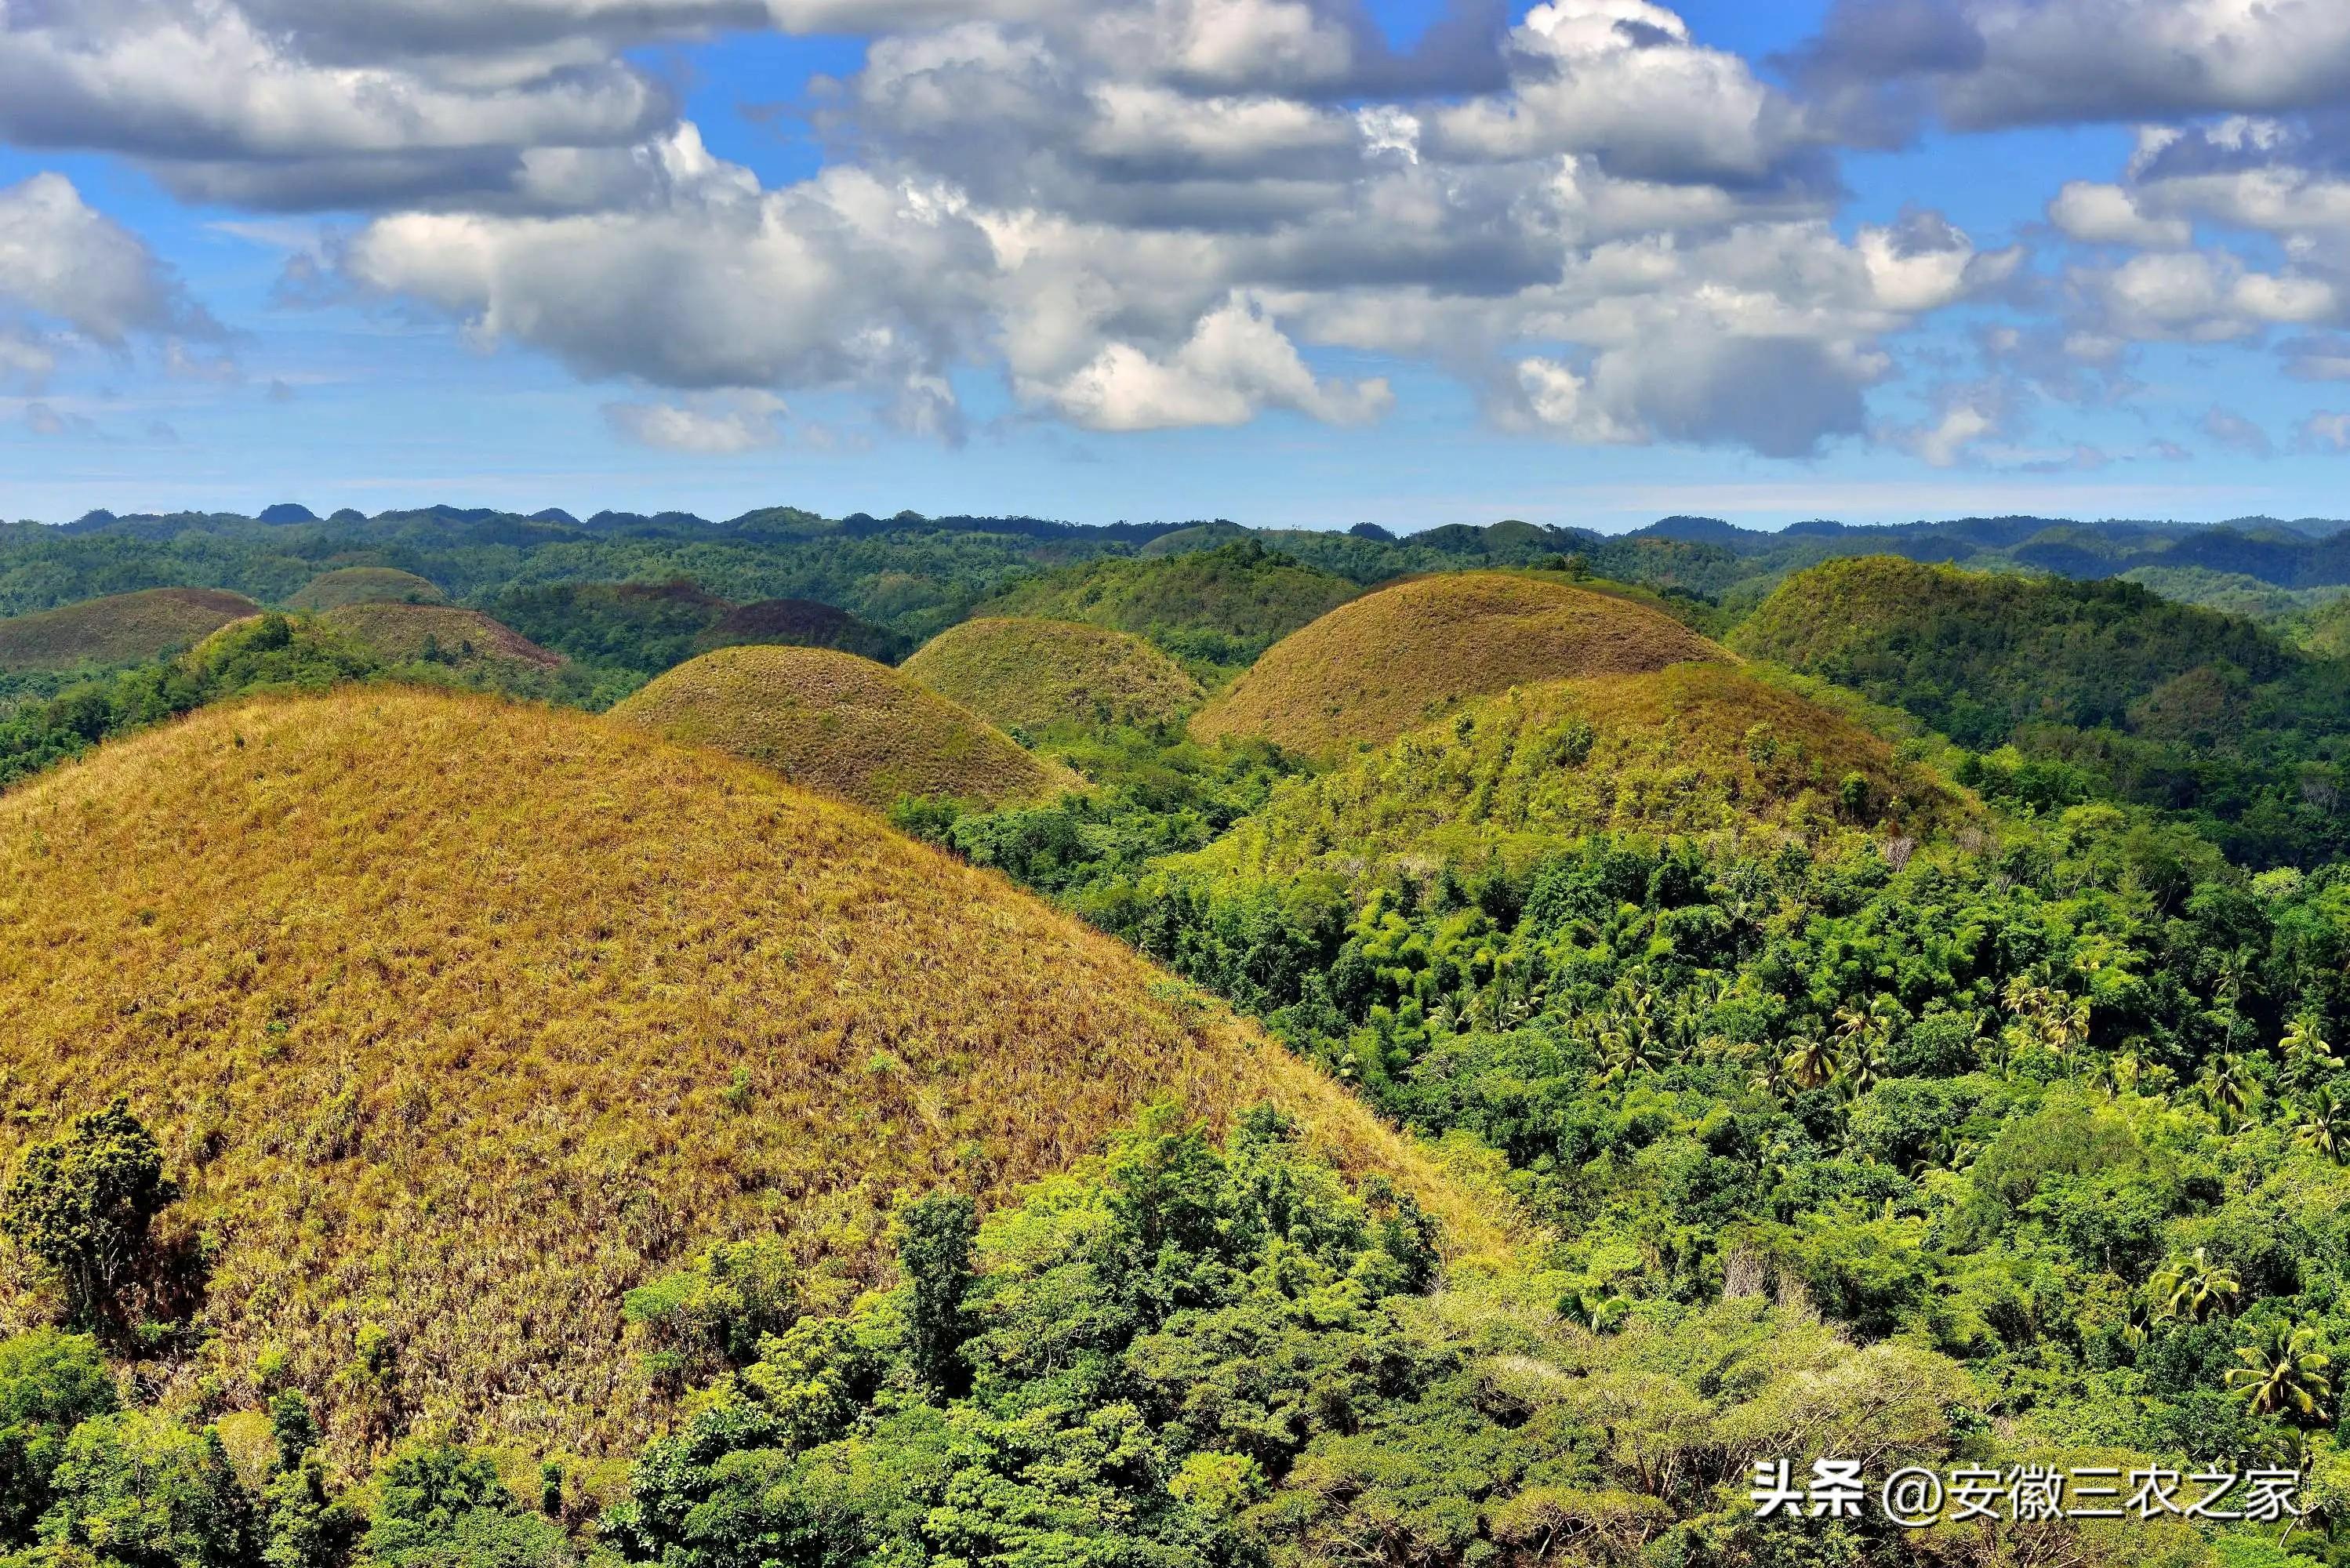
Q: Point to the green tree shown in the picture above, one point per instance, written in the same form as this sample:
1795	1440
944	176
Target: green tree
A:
85	1204
136	1490
2192	1287
2324	1126
2283	1372
934	1246
442	1507
49	1384
305	1525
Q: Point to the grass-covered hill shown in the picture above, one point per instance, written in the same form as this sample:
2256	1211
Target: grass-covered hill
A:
1394	659
1217	609
840	724
459	1019
1030	674
122	629
804	623
364	586
1694	748
2103	688
461	639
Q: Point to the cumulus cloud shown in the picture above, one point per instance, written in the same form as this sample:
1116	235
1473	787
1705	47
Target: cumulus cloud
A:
1878	65
2326	431
1233	367
721	425
71	277
2098	215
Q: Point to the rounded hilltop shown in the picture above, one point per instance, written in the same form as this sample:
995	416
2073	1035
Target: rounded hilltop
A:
459	1019
1690	749
441	634
1408	653
841	724
121	629
364	586
1030	674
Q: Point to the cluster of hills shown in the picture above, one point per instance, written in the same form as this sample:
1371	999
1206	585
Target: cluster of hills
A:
1618	1009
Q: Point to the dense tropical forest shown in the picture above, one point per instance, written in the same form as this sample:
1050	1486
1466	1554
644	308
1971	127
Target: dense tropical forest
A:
1880	993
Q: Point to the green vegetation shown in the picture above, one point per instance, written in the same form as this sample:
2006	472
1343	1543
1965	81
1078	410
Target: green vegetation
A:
2080	691
1215	610
460	639
120	630
843	725
265	653
641	629
1029	676
1397	658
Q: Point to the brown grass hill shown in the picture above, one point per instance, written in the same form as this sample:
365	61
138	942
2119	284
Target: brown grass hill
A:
1215	609
124	630
459	1019
438	634
364	586
804	623
1403	655
1697	748
1032	674
840	724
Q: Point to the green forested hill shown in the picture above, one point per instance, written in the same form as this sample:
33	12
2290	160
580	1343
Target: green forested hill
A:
2098	688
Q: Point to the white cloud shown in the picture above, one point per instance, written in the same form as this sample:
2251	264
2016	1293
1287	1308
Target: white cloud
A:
2237	434
719	425
1235	365
2326	431
2098	215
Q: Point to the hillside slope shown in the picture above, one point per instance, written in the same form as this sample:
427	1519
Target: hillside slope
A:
1395	658
1692	749
1030	674
459	1019
364	586
122	629
438	634
840	724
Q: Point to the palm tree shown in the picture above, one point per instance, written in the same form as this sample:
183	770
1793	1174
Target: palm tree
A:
2324	1126
1863	1065
2307	1053
1808	1061
2192	1287
2227	1087
2283	1371
1600	1313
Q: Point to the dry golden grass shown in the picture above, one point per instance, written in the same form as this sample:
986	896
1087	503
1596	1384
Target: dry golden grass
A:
462	638
460	1019
1691	749
845	725
1394	659
123	630
364	586
1032	674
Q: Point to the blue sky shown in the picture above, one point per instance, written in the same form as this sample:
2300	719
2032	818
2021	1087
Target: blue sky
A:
1291	262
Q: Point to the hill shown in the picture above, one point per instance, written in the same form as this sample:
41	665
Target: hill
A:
804	623
459	1019
1692	749
844	725
1393	660
2103	688
1030	674
462	639
364	586
1217	609
644	628
121	629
